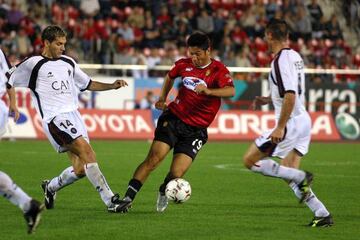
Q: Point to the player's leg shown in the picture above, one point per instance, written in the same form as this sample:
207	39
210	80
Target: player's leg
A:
13	193
293	158
179	166
259	162
67	132
190	142
322	215
164	140
66	177
30	207
85	162
155	156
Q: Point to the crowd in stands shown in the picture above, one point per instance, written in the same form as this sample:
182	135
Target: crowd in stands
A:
154	32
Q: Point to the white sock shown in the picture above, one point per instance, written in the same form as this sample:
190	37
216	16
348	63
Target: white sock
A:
13	193
315	205
269	167
67	177
99	182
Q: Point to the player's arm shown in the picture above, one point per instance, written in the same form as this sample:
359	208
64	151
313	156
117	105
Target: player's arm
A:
259	101
227	91
165	89
288	105
100	86
13	110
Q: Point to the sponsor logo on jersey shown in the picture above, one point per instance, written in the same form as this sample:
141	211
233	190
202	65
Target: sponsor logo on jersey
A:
192	82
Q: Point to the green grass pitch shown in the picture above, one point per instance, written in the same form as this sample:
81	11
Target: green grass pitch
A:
227	202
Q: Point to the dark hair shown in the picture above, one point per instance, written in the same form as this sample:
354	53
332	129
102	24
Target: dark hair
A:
278	28
200	40
52	32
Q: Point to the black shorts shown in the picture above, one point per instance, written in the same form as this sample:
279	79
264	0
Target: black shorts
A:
182	137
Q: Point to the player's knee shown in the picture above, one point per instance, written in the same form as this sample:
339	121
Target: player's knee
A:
88	155
79	171
152	161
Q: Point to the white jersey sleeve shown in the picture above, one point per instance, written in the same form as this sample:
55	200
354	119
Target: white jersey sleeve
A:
4	67
287	72
21	73
81	79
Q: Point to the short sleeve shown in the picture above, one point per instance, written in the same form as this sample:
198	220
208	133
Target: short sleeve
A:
287	73
81	79
224	78
19	75
4	66
174	71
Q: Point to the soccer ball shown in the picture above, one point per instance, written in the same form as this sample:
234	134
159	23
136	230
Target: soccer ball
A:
178	190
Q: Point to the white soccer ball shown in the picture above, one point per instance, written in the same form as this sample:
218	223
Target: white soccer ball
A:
178	190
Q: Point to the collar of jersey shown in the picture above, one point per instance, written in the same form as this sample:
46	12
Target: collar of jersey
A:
203	67
50	59
286	48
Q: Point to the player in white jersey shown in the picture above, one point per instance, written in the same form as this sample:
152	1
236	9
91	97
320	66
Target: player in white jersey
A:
290	138
4	113
31	208
55	81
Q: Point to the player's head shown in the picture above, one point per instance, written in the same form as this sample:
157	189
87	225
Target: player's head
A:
54	39
199	48
277	30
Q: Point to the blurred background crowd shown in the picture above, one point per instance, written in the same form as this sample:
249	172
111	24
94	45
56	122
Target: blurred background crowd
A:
325	32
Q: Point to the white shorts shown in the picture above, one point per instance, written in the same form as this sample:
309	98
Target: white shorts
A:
64	129
297	136
4	113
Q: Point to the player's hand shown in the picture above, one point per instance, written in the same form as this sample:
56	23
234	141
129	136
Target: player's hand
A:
277	135
202	89
161	105
259	101
14	112
119	83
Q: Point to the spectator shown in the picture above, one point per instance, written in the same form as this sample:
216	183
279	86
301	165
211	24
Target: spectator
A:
315	12
139	59
151	34
303	24
14	16
333	30
205	22
90	8
137	18
23	44
126	32
148	101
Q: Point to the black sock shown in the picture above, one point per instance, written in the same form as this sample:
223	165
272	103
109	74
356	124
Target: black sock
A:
168	178
133	188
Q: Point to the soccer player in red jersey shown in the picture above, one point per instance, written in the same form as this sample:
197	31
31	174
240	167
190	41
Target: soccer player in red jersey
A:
183	123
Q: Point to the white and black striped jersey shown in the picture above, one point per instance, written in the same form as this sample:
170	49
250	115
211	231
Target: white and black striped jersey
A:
4	67
287	75
54	83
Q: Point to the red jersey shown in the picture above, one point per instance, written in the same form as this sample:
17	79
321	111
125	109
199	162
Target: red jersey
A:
197	109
